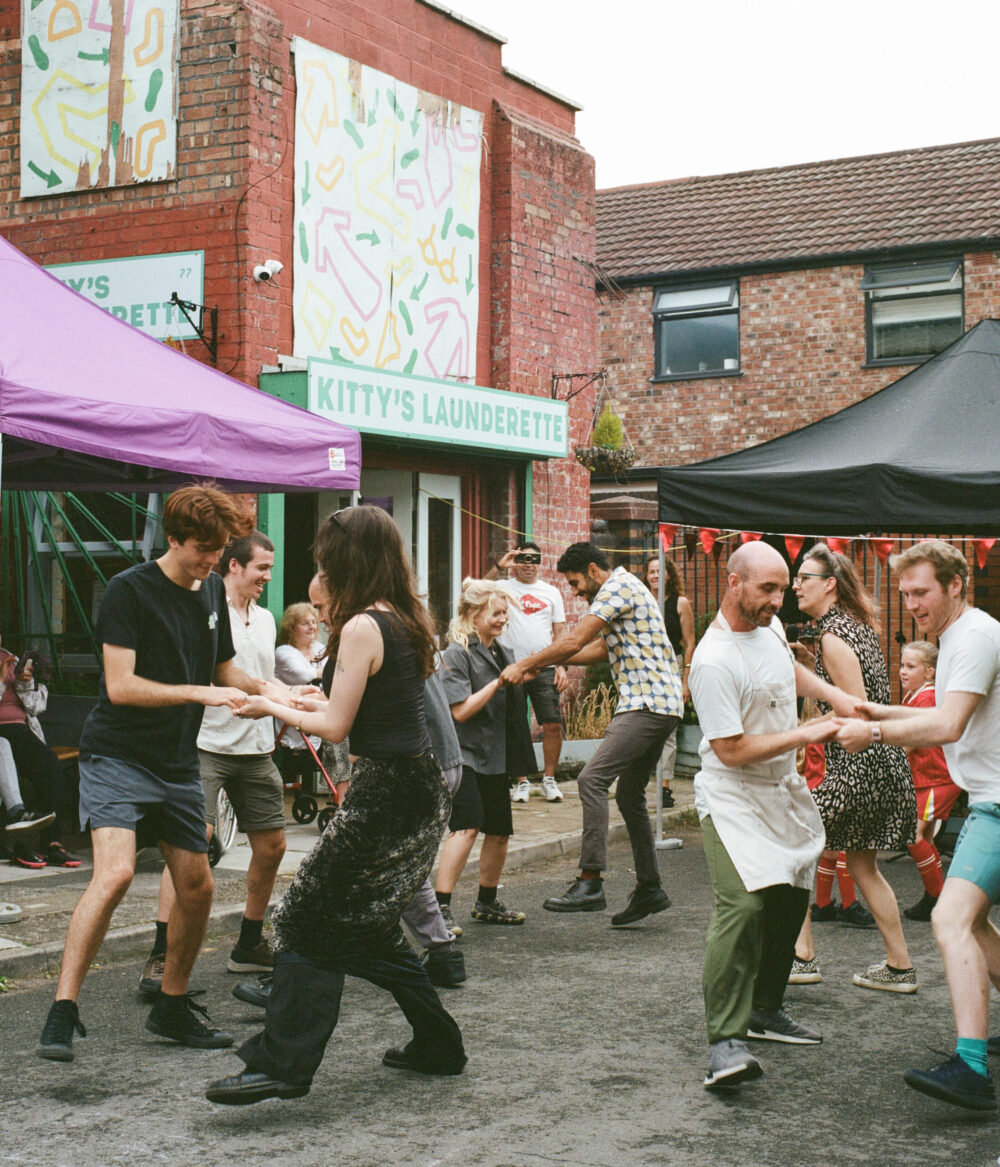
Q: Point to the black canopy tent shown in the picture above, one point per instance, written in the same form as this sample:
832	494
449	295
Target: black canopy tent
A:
923	454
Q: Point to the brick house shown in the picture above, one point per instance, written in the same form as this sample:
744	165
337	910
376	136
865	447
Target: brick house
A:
467	178
735	308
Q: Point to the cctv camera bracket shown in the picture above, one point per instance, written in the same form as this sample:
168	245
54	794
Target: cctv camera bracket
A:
211	340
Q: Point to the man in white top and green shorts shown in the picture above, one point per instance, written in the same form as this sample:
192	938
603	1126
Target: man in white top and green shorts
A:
933	578
624	625
761	831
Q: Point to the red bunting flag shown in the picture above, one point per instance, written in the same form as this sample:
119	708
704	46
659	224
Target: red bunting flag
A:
667	533
883	547
749	536
982	547
708	536
793	545
838	545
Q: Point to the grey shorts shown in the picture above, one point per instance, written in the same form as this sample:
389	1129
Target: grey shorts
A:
544	698
116	793
253	785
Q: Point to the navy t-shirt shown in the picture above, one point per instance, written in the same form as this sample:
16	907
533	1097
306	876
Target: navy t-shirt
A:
179	636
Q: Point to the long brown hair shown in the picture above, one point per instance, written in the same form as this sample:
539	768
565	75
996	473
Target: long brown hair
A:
360	555
852	595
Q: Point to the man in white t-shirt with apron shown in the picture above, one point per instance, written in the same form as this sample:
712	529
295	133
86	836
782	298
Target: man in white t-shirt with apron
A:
933	579
761	830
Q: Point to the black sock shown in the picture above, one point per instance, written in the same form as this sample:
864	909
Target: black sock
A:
250	933
160	942
487	895
898	970
443	898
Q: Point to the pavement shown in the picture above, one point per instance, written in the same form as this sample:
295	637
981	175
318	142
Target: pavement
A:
32	945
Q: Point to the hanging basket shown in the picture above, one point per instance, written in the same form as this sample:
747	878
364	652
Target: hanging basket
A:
601	460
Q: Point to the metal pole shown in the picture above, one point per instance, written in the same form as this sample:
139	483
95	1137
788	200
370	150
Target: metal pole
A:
661	844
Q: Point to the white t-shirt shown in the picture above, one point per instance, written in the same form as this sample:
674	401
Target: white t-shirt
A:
221	731
530	630
969	662
723	677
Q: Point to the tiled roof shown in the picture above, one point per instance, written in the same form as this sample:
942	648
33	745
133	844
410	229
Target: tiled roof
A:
910	198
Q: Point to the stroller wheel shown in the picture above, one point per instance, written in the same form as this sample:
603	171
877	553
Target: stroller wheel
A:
325	815
304	808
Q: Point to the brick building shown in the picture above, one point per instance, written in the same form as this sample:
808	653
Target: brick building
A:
422	217
735	308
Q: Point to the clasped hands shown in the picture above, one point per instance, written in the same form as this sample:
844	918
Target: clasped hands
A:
276	699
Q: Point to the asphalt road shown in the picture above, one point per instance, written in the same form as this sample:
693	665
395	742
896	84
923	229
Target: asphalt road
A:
586	1047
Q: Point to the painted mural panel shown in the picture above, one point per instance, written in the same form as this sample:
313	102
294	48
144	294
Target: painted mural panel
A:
386	220
98	93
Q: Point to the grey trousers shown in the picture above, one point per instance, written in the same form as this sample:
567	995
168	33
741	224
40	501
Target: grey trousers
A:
631	748
423	917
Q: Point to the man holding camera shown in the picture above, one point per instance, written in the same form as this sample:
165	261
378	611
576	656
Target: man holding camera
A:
530	628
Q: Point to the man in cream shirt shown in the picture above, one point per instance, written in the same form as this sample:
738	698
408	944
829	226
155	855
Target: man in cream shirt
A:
761	830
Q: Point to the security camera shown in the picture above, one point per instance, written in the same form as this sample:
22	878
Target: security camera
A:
267	270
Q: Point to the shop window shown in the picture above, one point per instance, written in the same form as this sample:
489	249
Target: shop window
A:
913	310
697	330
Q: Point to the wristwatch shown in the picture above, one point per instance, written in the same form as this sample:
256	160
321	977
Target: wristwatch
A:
876	731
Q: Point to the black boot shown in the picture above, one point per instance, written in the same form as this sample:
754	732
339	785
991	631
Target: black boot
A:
922	909
582	895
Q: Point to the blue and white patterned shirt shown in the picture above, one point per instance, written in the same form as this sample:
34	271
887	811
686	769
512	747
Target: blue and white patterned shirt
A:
642	659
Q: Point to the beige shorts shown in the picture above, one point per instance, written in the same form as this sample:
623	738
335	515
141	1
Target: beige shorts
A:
253	785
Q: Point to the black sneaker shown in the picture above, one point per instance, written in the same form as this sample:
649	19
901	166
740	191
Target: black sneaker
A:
954	1081
922	909
668	798
56	1042
152	975
825	915
856	916
174	1017
445	966
260	958
582	895
449	921
29	820
497	913
255	994
647	899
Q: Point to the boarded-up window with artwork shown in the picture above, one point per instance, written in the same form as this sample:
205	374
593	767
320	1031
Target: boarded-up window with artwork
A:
98	93
386	220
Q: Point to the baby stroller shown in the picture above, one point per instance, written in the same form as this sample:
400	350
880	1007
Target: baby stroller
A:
293	769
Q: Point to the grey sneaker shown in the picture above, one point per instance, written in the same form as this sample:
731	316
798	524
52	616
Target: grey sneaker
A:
805	972
776	1025
151	980
729	1064
550	788
449	921
880	976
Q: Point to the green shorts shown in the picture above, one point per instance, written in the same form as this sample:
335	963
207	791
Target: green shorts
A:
253	785
977	852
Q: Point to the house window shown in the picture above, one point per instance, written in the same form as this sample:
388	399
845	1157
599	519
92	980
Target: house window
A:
697	330
913	310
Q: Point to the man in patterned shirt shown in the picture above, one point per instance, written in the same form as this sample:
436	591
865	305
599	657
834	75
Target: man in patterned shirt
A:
625	626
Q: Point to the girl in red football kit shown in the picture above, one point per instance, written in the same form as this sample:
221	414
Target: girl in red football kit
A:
936	793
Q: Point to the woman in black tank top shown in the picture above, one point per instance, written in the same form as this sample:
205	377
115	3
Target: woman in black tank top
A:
341	912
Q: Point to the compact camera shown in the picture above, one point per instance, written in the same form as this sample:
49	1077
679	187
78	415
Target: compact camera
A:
528	557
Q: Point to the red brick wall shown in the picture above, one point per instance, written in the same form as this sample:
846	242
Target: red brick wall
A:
802	354
233	194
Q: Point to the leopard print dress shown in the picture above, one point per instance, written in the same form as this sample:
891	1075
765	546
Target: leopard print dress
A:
866	800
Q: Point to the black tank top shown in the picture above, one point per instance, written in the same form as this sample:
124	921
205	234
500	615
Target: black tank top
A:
390	720
673	623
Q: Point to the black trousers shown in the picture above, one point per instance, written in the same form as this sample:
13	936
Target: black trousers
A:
304	1006
38	771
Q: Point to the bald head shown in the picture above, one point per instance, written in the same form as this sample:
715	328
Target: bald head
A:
753	558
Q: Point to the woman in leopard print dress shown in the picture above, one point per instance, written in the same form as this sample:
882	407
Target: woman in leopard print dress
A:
866	800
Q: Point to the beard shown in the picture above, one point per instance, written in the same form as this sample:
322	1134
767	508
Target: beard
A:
758	617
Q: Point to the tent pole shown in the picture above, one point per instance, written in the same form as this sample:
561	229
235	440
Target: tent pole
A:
661	843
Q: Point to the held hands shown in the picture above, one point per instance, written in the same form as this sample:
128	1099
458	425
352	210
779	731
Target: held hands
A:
513	675
225	695
853	733
819	729
308	703
256	708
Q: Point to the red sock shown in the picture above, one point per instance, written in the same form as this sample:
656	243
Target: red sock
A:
928	862
847	893
824	880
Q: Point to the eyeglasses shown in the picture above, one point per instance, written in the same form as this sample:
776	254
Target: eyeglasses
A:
811	575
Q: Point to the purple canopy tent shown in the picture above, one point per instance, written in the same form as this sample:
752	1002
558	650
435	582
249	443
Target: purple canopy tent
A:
88	403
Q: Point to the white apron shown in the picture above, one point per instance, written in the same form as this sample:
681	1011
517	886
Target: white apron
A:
765	816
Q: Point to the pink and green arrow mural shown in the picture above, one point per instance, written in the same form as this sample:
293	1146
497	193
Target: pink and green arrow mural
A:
386	220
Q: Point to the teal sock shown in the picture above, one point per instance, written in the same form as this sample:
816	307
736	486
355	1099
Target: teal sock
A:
972	1051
